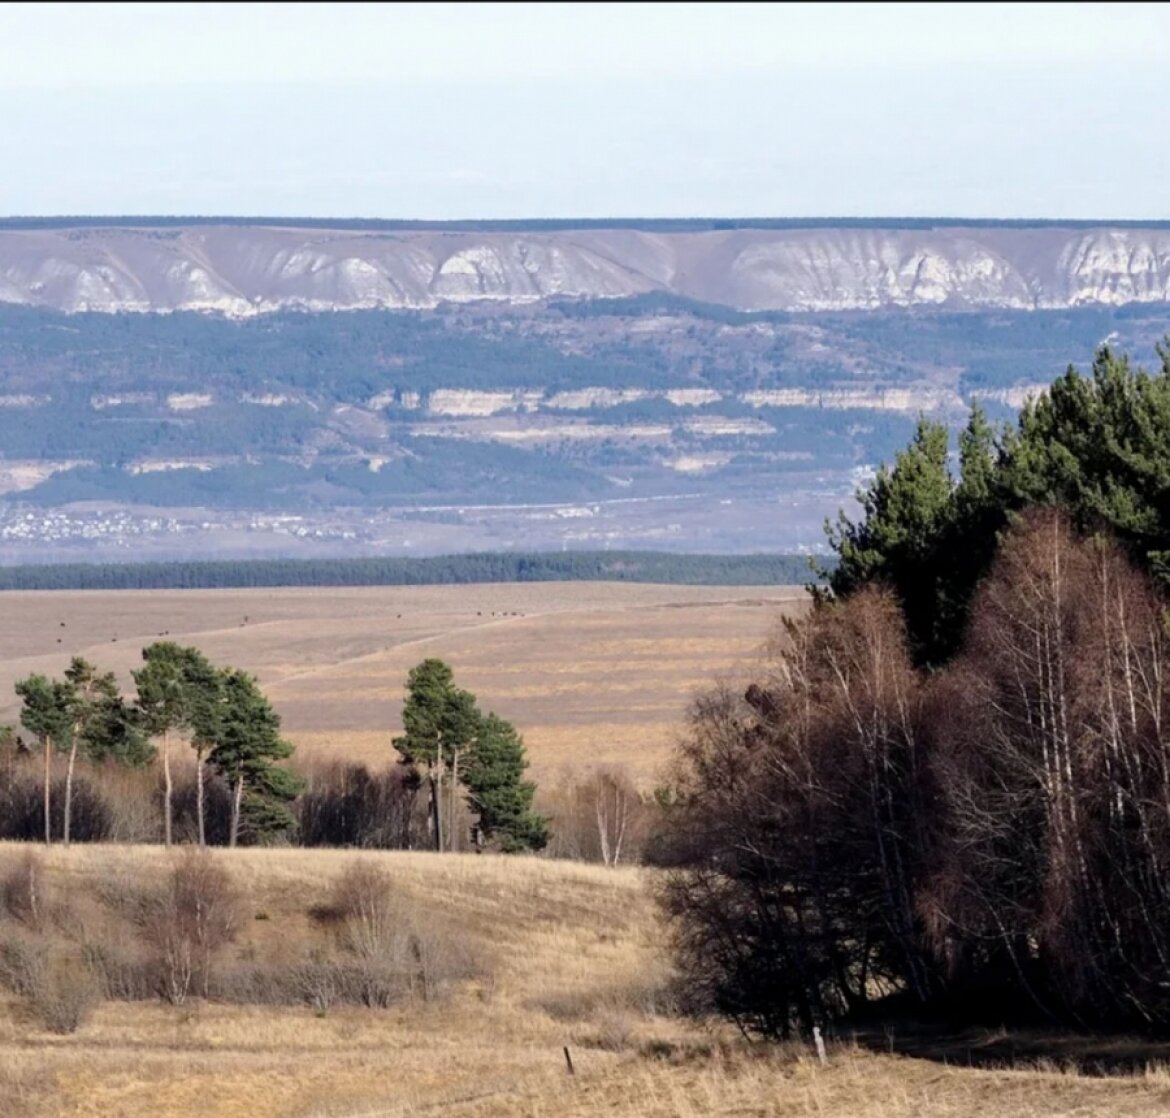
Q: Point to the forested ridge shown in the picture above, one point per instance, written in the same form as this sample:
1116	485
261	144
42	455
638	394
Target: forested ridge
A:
319	400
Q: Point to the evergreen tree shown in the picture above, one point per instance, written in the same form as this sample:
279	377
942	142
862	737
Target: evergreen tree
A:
897	541
497	791
247	745
203	697
47	713
460	748
1097	447
102	725
165	704
440	722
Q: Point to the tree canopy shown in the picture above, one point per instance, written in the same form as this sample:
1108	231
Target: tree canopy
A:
445	731
1096	446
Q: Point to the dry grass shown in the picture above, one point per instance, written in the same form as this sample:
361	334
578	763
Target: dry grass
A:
578	962
591	673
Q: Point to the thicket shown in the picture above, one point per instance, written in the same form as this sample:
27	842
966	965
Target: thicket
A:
949	794
990	841
184	935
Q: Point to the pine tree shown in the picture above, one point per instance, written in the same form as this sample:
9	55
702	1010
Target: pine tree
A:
163	707
248	744
460	748
102	726
906	510
440	722
204	697
497	791
178	693
47	713
1095	447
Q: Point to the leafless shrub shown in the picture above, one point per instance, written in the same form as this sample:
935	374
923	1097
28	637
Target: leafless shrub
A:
613	1033
644	1000
364	904
24	891
63	995
391	948
318	982
575	1005
24	960
122	972
796	835
345	804
441	958
195	914
602	817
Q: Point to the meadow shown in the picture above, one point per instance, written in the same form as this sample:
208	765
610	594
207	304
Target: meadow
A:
590	673
554	954
570	955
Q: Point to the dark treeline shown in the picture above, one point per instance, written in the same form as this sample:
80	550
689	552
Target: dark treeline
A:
605	566
948	794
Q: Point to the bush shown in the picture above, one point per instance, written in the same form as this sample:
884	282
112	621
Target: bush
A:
23	891
391	948
121	973
195	914
63	995
23	963
22	813
347	805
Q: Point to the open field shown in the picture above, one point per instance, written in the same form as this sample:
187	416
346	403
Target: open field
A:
591	673
576	959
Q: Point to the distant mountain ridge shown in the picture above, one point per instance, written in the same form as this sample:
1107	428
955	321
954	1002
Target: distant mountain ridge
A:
245	267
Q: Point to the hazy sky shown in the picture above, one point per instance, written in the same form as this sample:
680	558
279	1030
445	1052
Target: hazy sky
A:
451	110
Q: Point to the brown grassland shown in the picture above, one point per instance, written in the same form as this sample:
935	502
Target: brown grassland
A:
591	673
572	954
575	958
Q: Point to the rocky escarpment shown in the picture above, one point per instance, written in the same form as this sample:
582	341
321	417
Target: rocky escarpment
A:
242	270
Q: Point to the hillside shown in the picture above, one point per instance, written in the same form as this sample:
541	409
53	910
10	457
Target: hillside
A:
703	386
568	955
243	270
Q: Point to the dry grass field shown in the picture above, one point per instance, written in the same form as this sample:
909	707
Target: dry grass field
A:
575	958
591	673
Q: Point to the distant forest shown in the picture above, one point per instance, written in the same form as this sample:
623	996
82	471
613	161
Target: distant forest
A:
600	566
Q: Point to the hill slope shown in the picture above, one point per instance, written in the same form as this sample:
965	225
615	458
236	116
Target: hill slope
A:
243	270
577	960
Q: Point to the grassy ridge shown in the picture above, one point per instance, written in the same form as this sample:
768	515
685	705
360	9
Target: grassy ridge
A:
592	566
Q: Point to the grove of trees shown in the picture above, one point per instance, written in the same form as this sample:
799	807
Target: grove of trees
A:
197	755
221	713
460	747
949	794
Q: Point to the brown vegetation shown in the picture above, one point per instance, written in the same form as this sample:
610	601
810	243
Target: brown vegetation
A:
591	673
991	841
567	955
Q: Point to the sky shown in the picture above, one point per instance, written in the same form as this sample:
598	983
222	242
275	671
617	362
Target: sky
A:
442	111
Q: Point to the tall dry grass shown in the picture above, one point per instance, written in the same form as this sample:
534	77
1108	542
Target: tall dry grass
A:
576	959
